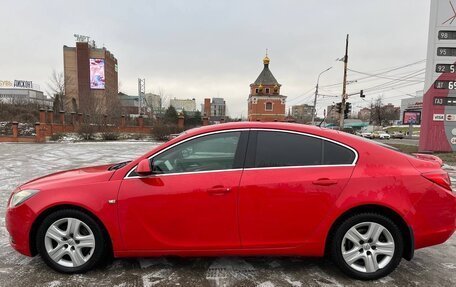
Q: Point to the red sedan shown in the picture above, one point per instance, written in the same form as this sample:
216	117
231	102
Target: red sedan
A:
241	189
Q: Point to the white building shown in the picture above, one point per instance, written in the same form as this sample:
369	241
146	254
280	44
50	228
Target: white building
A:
153	102
188	105
415	104
24	96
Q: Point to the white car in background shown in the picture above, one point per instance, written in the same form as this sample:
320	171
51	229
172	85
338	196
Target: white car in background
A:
367	135
384	136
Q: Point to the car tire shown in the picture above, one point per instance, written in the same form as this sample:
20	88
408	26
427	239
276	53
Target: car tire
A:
378	251
70	241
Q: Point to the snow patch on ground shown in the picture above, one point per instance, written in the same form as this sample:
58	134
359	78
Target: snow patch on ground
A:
266	284
227	271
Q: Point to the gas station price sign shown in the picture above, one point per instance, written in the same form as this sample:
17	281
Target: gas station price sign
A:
447	85
445	68
447	35
438	117
446	51
441	101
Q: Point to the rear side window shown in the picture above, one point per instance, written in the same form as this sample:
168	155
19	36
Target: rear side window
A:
275	149
279	149
337	154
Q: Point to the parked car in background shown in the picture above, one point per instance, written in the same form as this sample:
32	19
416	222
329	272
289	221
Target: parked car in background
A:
367	135
397	135
244	189
382	136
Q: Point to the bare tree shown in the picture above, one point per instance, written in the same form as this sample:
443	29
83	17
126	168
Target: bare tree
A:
164	97
383	114
57	89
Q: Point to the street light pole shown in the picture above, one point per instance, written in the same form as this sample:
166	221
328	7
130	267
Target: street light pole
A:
314	109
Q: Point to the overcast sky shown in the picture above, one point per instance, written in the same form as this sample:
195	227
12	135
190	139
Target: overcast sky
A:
199	49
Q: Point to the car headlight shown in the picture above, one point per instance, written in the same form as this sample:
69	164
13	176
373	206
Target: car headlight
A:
21	196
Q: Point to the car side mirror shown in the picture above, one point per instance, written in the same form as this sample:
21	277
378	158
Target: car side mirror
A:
144	167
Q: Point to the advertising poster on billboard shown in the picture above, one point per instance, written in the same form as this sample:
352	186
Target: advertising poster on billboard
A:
412	118
97	74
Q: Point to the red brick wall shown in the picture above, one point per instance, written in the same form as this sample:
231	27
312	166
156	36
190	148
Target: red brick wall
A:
258	111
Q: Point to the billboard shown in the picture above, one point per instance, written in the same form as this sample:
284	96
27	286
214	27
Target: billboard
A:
438	119
97	74
411	118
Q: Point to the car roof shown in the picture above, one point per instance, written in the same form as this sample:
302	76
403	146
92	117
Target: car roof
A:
308	129
258	125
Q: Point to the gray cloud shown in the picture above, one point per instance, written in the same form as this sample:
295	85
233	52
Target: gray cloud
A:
198	49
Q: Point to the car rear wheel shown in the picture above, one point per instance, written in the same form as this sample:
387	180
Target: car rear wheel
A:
70	241
367	246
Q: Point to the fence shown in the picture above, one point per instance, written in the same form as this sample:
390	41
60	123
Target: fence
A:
50	124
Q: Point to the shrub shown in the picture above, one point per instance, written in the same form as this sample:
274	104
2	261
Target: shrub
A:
57	136
87	132
110	136
161	132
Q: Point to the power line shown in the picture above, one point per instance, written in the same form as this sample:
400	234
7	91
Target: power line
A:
383	77
303	94
381	73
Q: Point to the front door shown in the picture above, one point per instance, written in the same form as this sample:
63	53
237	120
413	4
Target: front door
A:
190	202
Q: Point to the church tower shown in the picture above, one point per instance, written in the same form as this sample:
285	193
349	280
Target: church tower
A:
265	102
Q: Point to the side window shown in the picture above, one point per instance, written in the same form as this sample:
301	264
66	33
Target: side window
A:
276	149
337	154
212	152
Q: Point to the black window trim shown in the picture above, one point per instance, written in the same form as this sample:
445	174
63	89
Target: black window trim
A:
251	152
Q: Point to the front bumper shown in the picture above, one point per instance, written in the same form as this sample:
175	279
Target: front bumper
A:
19	222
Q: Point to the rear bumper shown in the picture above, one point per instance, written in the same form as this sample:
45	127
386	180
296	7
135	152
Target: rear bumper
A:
435	217
18	223
434	237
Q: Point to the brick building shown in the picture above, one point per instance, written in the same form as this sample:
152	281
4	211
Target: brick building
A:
265	103
91	79
214	109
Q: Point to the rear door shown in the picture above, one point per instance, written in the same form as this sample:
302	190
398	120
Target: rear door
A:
289	183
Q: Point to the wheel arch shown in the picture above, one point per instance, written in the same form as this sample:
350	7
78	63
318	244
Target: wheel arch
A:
45	213
406	230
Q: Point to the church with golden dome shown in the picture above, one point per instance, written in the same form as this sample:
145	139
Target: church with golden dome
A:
265	102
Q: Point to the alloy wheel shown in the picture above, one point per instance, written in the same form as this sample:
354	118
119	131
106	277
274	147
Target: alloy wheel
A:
367	247
69	242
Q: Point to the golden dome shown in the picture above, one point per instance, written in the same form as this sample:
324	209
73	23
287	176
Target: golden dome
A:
260	87
266	60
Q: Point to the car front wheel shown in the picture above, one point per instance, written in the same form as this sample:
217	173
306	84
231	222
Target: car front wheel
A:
70	241
367	246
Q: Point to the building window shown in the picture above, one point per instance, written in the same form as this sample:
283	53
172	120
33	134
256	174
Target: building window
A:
267	90
268	106
256	91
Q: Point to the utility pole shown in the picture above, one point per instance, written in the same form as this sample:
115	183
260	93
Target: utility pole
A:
344	87
141	94
314	109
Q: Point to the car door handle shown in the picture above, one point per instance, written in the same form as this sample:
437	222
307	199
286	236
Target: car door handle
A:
324	181
218	190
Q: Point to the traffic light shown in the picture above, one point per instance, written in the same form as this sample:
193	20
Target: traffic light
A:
347	110
339	108
361	94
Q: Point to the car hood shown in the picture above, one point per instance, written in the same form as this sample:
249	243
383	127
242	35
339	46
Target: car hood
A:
86	175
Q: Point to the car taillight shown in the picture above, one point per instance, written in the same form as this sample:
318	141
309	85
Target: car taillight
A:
439	177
